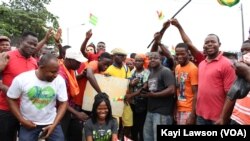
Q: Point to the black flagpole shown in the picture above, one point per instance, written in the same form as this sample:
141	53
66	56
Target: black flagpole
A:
162	30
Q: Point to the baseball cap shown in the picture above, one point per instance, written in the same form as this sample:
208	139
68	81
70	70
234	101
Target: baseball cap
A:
4	38
119	51
75	54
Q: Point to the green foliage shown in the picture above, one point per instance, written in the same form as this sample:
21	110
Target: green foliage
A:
18	16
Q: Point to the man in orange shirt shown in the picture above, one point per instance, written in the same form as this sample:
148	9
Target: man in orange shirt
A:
187	80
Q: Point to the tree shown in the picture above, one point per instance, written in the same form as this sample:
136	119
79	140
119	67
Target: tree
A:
18	16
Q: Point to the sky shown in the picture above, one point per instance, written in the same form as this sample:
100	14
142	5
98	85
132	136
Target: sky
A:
131	24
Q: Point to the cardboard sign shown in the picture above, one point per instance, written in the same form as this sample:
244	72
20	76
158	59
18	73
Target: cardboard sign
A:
113	86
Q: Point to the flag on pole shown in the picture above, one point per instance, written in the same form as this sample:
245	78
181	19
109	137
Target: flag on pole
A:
160	15
93	19
172	51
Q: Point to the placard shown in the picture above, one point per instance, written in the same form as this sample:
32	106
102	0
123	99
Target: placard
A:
115	87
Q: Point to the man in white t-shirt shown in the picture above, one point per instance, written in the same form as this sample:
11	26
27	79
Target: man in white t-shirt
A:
43	101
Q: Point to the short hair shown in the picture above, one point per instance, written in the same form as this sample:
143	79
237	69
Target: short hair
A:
105	55
212	34
92	45
46	58
28	33
99	98
132	55
154	54
101	42
182	45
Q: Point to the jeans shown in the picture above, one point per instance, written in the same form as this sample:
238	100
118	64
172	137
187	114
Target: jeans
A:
8	126
151	122
33	134
201	121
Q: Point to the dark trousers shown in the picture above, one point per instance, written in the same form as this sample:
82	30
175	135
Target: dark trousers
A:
201	121
72	127
8	126
138	123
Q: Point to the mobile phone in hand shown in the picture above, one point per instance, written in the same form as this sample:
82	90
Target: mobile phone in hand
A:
239	56
144	91
43	133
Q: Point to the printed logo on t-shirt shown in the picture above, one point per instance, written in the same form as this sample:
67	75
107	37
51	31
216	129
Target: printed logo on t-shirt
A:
41	97
183	78
152	85
102	135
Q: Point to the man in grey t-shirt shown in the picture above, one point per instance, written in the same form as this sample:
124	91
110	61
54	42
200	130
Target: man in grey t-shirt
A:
161	87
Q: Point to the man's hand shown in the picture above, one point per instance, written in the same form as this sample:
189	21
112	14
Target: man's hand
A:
166	24
4	59
175	23
219	122
58	35
28	124
48	34
4	88
134	81
82	116
48	130
89	34
147	94
128	97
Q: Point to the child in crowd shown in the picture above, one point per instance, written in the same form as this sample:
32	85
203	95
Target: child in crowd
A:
101	126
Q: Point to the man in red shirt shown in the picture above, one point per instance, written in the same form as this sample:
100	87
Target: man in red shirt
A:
215	76
17	61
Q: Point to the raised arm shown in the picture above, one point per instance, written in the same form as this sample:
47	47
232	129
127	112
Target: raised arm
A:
84	44
44	40
165	51
185	37
57	38
158	36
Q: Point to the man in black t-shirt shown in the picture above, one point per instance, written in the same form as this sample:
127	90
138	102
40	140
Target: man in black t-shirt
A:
161	89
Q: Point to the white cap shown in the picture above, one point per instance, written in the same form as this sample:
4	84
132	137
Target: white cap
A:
75	54
118	51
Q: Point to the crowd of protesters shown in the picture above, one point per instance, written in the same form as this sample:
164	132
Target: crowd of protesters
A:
42	88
